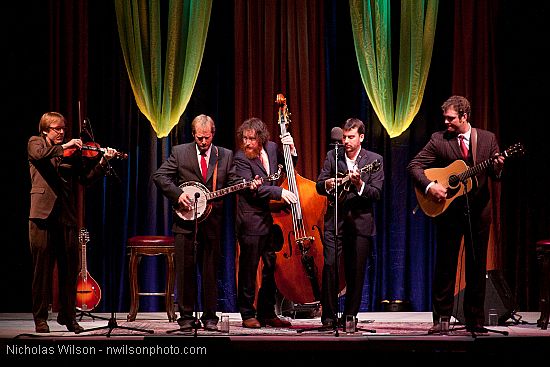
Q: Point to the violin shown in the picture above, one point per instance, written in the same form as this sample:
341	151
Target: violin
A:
91	150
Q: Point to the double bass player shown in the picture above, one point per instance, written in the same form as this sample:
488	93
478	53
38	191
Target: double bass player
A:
258	156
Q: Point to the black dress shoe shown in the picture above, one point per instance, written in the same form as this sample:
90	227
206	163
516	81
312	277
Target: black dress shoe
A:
476	329
210	325
41	326
71	324
188	324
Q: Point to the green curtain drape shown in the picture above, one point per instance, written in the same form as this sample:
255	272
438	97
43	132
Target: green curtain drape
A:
372	37
162	92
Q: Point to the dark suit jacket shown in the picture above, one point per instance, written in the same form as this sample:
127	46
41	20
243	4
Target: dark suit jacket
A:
182	166
53	178
253	213
353	208
443	149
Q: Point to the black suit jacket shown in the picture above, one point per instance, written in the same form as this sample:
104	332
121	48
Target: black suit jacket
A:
182	166
253	212
443	149
353	208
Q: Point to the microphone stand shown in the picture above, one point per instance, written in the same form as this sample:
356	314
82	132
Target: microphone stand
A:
196	324
334	326
470	229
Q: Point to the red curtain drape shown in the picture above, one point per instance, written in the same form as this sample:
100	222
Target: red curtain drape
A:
280	49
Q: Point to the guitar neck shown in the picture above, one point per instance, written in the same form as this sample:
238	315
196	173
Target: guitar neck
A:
227	190
475	170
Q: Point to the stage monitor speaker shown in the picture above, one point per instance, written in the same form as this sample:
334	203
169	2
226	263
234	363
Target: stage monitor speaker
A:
497	295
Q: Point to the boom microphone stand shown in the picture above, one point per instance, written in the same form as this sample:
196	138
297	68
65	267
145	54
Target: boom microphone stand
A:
112	323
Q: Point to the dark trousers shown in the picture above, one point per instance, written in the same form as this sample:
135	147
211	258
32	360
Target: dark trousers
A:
52	241
356	250
451	226
206	260
252	248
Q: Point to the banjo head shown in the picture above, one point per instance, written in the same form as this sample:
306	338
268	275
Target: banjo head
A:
191	188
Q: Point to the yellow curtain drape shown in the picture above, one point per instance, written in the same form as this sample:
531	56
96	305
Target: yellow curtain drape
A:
162	91
372	37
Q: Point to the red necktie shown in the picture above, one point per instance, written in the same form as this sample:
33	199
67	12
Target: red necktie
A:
204	168
463	147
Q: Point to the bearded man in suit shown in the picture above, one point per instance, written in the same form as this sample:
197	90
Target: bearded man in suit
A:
258	156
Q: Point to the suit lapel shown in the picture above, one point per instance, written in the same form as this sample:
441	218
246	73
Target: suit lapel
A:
453	145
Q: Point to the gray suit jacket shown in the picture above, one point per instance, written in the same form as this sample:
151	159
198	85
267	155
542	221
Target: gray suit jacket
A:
182	166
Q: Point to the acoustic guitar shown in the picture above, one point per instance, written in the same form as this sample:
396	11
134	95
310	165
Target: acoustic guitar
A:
192	188
457	179
88	293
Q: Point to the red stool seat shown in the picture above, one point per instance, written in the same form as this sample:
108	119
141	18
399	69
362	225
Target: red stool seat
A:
151	246
543	257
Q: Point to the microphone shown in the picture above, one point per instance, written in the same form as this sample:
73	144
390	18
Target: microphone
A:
336	135
197	195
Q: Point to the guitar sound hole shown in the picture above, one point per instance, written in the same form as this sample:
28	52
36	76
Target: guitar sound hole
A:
453	181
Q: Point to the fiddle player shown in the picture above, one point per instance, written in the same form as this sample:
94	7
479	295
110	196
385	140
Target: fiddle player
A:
356	225
258	156
53	233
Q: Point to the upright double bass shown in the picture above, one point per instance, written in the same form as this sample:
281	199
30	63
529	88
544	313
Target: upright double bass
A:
298	270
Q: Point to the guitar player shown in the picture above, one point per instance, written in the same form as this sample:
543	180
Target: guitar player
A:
459	141
205	163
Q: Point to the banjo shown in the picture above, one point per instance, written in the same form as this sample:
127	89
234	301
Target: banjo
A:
199	193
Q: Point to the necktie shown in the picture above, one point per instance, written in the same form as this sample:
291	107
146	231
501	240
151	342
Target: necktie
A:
265	160
463	147
204	168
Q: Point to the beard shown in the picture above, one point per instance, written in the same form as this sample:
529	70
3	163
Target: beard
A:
249	152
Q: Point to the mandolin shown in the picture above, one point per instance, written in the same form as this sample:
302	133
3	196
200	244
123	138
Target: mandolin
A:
457	179
88	293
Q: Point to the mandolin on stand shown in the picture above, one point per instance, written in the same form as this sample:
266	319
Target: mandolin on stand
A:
88	293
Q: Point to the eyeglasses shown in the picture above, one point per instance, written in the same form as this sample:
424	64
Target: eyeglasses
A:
57	129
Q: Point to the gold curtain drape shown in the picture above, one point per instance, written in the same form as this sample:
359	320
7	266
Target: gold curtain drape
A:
162	86
372	37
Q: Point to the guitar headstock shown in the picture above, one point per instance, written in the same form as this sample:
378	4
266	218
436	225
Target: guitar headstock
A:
514	150
83	236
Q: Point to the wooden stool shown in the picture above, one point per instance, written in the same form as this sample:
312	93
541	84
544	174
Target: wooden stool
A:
151	246
543	257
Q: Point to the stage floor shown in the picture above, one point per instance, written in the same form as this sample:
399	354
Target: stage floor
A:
401	335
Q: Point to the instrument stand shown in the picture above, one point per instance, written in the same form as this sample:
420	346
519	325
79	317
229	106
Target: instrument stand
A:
81	314
112	322
468	215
